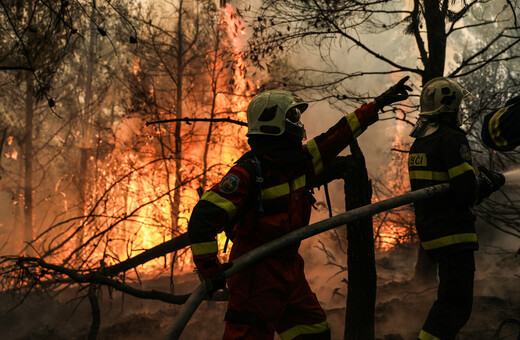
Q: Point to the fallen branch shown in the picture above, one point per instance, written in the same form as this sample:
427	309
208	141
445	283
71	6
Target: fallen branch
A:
190	120
96	278
162	249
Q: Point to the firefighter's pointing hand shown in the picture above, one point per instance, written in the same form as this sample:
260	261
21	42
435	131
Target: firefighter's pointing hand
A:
394	94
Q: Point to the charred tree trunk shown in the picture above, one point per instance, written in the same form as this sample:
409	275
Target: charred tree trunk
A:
86	145
434	61
178	115
359	318
28	159
214	92
96	313
177	135
434	16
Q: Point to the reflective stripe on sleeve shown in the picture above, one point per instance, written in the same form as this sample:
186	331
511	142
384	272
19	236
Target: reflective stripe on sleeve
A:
460	169
204	248
221	202
427	336
292	333
316	156
429	175
449	240
494	130
298	183
355	125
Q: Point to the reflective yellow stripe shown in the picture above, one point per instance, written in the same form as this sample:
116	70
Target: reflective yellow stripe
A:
460	169
355	125
204	248
276	191
221	202
494	130
298	183
449	240
427	336
292	333
283	189
316	156
429	175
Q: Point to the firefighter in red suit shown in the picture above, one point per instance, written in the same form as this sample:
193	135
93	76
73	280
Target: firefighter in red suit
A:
263	197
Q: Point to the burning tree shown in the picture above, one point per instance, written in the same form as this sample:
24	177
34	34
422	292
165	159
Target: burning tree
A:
137	184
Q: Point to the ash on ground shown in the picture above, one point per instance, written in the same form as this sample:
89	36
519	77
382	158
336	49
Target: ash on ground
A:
401	307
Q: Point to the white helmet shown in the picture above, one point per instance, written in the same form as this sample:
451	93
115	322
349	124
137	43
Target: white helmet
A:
275	111
441	95
440	100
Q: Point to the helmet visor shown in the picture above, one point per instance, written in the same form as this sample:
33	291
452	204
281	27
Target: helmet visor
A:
294	115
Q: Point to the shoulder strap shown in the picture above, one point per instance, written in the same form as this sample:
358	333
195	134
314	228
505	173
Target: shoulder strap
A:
253	166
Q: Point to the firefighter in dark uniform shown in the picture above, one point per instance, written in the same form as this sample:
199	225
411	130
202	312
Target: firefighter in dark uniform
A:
263	197
501	129
446	225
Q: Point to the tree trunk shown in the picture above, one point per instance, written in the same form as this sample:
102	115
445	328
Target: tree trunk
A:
96	313
434	16
86	144
178	141
28	159
359	318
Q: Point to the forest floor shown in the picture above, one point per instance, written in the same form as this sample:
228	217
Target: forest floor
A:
400	311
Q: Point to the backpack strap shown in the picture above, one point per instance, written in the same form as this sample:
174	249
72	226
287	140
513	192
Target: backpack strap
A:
253	166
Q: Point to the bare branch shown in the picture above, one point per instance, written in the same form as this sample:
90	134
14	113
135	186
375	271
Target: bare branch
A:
189	120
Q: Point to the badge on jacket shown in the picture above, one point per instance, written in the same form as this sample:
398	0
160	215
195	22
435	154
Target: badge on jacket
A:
229	184
464	152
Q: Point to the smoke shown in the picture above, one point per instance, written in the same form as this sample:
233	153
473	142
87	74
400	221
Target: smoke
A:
512	177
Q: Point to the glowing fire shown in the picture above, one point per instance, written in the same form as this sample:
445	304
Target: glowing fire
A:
395	228
136	187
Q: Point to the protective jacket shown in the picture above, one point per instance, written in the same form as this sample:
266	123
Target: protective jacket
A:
446	223
501	129
274	293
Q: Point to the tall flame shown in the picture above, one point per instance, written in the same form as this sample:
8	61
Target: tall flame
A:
395	228
131	199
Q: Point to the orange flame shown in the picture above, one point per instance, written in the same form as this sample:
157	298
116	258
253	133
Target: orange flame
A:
138	200
395	228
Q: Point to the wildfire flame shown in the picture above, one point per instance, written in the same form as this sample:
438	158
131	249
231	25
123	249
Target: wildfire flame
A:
395	228
135	190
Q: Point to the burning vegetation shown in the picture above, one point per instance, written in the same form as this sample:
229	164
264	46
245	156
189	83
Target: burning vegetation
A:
118	115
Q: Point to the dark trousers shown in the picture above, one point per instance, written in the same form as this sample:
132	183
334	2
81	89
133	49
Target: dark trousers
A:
452	309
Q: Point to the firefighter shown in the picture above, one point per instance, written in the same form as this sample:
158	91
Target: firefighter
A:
501	129
264	196
446	225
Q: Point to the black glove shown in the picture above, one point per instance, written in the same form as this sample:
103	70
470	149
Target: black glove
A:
394	94
488	183
217	281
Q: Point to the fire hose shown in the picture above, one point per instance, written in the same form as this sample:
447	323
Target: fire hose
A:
265	250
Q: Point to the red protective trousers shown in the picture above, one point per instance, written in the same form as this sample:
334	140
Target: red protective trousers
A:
273	296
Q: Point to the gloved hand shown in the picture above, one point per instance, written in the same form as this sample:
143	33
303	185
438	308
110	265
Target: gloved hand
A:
488	183
217	281
394	94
